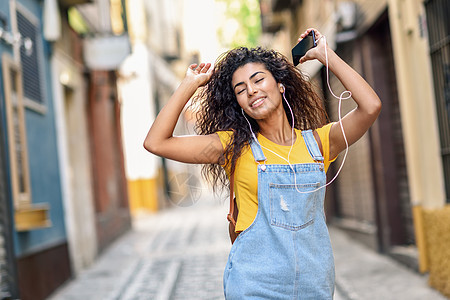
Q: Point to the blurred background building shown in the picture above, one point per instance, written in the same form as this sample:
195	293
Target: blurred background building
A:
63	188
82	81
148	78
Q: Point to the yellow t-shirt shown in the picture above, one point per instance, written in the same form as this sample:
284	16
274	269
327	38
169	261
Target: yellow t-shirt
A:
246	175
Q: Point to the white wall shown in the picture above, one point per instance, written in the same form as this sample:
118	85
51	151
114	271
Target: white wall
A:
74	160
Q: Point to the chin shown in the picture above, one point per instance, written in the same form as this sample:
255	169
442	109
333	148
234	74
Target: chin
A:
261	115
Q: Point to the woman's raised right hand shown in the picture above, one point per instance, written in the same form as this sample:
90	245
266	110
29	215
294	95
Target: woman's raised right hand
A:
199	74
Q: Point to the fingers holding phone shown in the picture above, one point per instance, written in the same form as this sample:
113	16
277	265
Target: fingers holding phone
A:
311	31
307	42
310	46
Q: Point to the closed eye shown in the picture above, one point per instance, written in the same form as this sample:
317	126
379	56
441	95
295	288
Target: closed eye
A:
240	92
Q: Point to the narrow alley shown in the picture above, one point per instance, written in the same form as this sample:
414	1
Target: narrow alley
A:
180	253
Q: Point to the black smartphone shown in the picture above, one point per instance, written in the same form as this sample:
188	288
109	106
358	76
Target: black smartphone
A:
303	46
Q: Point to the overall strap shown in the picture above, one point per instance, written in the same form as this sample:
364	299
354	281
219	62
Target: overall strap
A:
312	146
257	151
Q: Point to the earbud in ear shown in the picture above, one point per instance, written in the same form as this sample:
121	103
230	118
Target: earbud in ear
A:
282	87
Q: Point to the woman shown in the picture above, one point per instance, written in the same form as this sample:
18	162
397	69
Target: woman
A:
262	123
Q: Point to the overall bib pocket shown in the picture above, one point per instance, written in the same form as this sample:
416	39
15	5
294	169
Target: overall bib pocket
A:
290	209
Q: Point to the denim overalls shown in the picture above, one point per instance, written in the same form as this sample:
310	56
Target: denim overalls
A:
286	252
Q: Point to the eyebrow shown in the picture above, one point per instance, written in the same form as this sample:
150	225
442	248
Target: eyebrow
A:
253	75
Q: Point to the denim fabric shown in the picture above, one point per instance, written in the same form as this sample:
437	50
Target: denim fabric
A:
286	252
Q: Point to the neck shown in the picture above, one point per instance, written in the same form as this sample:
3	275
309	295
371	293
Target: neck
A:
277	129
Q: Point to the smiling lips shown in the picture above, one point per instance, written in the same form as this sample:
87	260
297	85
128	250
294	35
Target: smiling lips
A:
257	102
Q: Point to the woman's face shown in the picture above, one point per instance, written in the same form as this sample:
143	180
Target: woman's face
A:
256	90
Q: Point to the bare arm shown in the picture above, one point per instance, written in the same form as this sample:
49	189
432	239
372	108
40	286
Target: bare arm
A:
188	149
359	120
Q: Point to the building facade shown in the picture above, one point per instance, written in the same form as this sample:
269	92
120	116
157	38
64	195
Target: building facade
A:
63	195
69	92
37	229
392	193
101	24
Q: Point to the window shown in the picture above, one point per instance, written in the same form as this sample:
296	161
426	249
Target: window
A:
18	155
27	216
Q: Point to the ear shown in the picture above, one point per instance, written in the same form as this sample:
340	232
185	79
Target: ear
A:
281	86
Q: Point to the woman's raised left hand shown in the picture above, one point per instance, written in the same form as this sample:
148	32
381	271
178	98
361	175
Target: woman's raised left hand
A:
317	52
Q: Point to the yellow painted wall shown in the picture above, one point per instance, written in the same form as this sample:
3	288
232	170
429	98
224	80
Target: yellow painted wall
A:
142	195
437	233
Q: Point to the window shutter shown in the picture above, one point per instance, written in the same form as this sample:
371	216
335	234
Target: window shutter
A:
32	79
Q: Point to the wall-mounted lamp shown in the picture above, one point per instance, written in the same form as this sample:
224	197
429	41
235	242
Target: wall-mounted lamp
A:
14	38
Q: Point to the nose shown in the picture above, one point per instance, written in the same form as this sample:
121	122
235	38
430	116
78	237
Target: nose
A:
251	89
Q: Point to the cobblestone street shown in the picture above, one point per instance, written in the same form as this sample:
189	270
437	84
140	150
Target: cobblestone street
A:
180	253
184	259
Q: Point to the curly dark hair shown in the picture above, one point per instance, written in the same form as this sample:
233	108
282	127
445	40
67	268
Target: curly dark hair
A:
220	110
